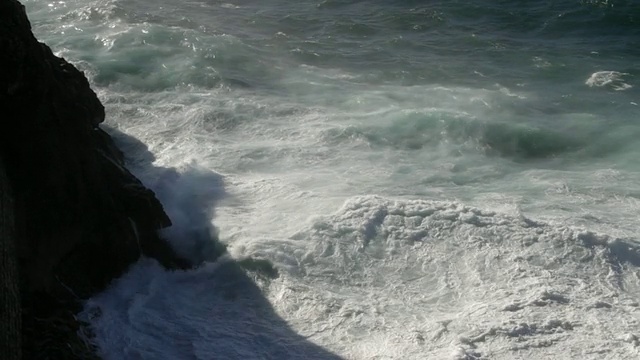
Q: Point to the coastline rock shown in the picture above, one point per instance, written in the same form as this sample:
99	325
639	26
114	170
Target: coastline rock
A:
10	324
80	217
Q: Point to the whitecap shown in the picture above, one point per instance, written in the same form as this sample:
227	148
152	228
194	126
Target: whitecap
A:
614	79
418	279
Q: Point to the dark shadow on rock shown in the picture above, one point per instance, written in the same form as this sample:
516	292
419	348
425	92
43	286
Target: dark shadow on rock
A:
215	311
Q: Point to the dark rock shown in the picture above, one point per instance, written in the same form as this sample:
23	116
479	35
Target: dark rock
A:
81	218
9	288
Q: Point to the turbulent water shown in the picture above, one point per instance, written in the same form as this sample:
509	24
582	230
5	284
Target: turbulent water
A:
392	179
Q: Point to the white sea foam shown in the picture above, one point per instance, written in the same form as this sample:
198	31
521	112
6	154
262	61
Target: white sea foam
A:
389	279
380	278
613	79
267	141
424	279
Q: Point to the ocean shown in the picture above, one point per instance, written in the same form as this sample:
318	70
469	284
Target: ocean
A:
391	179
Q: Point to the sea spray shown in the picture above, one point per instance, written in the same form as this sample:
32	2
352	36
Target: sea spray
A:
437	180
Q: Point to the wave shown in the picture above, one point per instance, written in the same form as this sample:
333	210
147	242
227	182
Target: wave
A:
305	104
612	79
216	310
428	279
384	278
462	132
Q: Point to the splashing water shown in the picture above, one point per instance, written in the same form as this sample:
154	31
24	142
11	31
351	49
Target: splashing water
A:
390	180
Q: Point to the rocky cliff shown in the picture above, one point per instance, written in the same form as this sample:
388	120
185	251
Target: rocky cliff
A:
75	218
9	290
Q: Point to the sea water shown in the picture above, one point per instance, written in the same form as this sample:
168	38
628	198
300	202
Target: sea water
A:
392	179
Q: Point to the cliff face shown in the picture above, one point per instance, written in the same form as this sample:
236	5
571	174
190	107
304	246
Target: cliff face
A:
9	293
81	218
